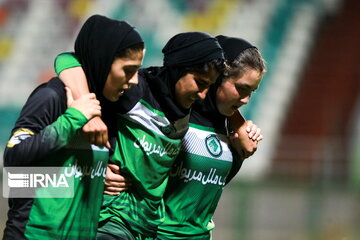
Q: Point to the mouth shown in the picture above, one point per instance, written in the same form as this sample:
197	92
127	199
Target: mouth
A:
192	100
121	92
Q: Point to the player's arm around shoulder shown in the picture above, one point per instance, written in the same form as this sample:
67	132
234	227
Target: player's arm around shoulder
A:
245	135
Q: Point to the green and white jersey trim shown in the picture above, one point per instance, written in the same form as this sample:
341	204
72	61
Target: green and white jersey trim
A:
156	121
216	144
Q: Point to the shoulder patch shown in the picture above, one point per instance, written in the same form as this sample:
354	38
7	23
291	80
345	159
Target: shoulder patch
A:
18	136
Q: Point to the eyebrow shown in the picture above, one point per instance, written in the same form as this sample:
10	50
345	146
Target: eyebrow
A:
132	66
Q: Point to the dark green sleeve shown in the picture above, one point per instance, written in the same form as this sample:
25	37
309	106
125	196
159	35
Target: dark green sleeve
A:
64	61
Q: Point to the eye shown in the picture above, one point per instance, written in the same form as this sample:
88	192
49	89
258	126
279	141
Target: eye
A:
201	83
130	72
244	91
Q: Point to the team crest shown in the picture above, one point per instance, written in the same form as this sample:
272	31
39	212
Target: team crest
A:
213	145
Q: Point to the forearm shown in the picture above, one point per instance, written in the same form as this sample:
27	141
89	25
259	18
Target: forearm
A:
245	136
236	123
70	72
75	79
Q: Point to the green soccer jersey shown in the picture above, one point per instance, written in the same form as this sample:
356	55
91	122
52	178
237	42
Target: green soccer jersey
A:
146	147
76	217
145	156
196	184
47	134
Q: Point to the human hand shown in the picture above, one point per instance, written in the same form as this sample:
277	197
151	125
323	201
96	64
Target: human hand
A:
254	132
86	104
114	182
245	135
245	139
96	132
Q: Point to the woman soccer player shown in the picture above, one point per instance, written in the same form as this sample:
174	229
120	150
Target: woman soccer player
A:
47	134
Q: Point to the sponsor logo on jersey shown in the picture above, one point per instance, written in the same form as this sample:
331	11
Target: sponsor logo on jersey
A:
153	148
204	177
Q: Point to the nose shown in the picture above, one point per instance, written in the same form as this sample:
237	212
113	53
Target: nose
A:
245	100
202	94
134	80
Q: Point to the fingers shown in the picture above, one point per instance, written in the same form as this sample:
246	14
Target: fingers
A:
260	138
114	168
92	96
108	145
113	175
254	132
245	139
91	137
87	104
91	105
104	139
111	193
96	108
114	182
116	186
97	138
114	190
96	132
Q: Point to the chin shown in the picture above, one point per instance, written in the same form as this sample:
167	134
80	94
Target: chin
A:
113	99
186	106
227	113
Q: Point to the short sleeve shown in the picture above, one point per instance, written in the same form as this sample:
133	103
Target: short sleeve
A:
64	61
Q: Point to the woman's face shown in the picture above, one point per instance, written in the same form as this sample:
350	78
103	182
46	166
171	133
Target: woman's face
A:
193	86
236	91
122	75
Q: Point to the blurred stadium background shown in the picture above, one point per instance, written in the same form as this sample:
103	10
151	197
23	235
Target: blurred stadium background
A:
304	180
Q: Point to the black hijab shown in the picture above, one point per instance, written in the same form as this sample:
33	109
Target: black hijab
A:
183	50
232	48
96	45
